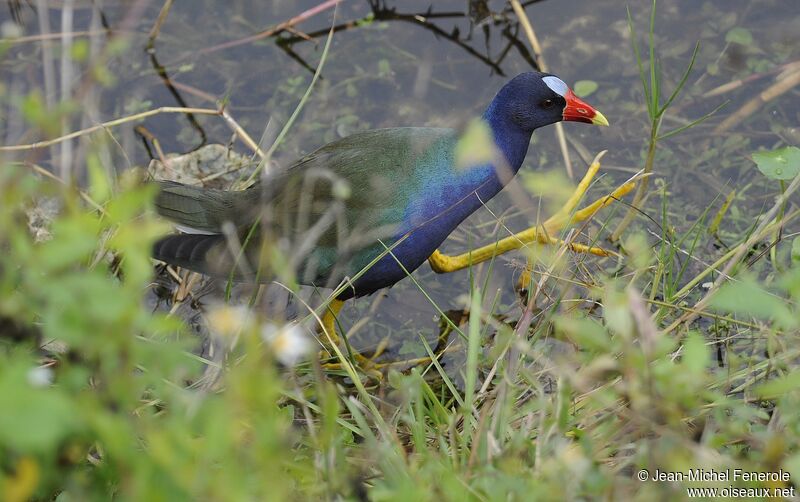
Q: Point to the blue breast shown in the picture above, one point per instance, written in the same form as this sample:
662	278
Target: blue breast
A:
443	198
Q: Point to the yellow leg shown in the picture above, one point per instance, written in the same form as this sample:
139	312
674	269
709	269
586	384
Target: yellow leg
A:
331	339
367	365
327	331
525	279
565	216
575	198
329	321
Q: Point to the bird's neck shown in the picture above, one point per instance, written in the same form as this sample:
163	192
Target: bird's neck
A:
510	139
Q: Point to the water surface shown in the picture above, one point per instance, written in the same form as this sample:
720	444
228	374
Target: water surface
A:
416	63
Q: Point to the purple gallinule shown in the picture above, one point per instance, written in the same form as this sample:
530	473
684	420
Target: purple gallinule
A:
366	210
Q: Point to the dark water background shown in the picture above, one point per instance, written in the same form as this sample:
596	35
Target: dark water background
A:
411	63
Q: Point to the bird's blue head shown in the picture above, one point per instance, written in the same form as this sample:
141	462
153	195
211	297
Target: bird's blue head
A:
534	99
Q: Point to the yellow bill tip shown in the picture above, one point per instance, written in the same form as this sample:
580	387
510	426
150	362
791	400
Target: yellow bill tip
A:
599	119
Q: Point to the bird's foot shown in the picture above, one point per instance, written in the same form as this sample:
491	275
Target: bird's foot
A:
366	365
543	233
567	215
369	364
349	359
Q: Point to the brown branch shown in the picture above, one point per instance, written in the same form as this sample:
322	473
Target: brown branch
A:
272	31
104	125
777	89
537	52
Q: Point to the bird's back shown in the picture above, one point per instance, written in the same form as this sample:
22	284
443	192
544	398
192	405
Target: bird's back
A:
331	212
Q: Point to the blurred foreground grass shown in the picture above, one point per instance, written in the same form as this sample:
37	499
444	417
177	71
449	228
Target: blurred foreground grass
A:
97	401
101	398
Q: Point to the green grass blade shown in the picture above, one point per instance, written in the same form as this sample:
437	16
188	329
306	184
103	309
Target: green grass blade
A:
683	80
473	347
693	123
445	378
654	87
639	64
296	113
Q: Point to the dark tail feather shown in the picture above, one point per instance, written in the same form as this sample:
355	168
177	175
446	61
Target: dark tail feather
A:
187	250
200	208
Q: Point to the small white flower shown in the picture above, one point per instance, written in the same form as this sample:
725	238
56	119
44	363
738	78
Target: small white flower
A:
40	376
289	342
226	320
10	29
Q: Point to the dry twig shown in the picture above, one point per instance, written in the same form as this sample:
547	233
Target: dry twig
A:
537	52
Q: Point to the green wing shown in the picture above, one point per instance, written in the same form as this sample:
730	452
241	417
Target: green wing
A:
363	182
328	210
367	179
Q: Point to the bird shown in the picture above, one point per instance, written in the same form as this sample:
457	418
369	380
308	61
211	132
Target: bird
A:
366	210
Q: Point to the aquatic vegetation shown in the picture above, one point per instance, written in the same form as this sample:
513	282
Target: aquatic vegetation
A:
603	378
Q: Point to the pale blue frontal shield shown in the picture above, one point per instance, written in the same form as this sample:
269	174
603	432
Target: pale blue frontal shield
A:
556	85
